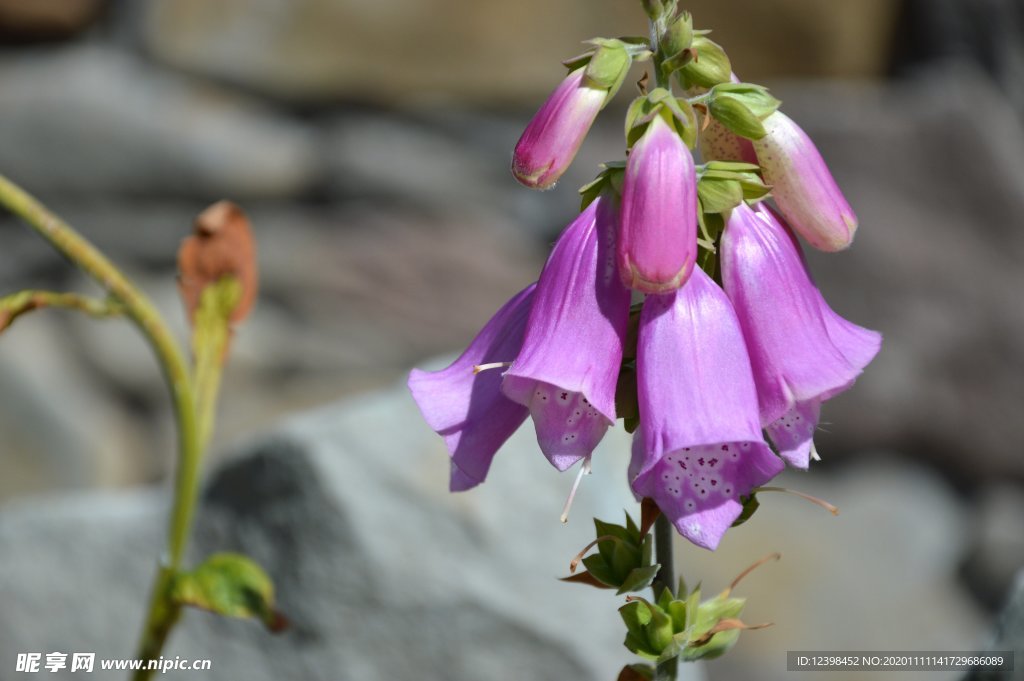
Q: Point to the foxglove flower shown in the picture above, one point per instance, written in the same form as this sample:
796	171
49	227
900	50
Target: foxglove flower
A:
658	238
802	353
700	444
554	135
803	187
569	364
468	409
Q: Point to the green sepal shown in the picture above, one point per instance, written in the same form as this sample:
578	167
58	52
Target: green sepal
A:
755	97
736	116
679	36
608	66
719	195
750	506
709	68
601	571
639	579
232	585
677	112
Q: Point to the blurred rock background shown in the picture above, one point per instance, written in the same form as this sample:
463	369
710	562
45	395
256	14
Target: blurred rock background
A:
369	141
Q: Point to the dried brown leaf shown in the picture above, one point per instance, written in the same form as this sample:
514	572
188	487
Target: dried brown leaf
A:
221	245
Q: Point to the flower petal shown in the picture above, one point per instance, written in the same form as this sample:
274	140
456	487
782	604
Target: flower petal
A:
469	410
554	135
702	443
800	350
567	370
657	245
803	186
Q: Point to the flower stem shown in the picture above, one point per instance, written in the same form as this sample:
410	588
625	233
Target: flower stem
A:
665	579
163	612
663	534
658	26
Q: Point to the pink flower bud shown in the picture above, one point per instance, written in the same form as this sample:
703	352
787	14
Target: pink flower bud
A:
555	133
803	187
657	244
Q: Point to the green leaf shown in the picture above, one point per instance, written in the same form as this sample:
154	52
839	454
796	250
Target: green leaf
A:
754	97
710	68
639	579
608	67
601	570
679	36
719	196
734	114
732	166
625	558
232	585
750	506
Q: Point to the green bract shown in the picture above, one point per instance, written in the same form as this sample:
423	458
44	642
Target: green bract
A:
741	107
232	585
623	558
709	68
687	629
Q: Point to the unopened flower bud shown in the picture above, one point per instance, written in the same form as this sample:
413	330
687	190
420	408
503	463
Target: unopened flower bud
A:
554	135
657	244
802	185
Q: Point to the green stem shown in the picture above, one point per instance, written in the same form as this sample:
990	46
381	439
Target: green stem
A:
665	579
163	613
658	26
16	304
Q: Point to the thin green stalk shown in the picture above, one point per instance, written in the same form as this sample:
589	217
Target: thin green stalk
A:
665	579
163	613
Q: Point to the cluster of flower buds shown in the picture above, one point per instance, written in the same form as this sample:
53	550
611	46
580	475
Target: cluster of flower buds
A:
722	369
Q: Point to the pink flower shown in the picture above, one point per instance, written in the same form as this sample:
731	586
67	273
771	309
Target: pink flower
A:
803	187
802	353
554	135
567	369
468	409
657	245
700	447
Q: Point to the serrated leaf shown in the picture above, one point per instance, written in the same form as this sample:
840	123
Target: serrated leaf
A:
232	585
639	579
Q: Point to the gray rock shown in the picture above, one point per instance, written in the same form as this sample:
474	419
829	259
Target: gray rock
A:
1009	635
383	573
997	543
93	120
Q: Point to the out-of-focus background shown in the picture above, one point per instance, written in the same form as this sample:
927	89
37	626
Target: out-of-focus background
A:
369	142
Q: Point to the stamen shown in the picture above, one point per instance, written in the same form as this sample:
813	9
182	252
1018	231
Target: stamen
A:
814	500
814	452
739	578
584	470
493	365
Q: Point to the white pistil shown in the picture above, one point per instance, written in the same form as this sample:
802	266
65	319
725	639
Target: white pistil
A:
493	365
584	470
